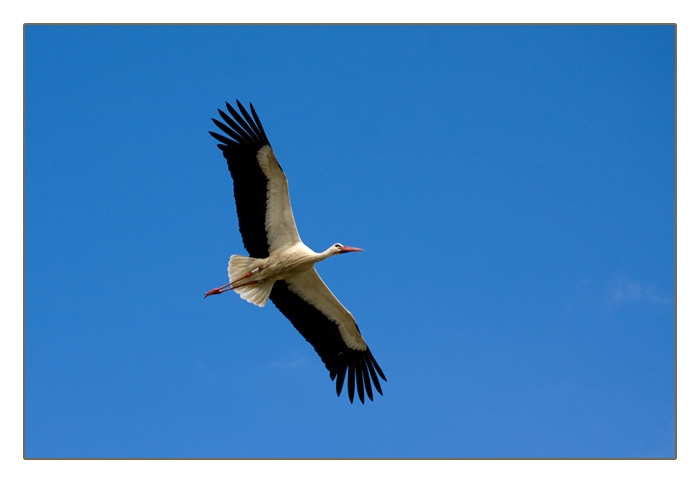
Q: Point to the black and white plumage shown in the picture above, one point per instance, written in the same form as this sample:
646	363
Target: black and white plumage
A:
280	266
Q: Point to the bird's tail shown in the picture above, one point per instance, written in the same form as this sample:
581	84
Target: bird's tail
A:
255	292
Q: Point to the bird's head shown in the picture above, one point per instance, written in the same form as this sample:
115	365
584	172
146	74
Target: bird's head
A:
337	249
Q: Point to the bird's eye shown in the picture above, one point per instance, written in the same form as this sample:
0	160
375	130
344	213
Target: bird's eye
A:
337	245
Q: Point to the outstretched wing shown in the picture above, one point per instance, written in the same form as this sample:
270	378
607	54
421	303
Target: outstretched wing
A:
328	326
265	216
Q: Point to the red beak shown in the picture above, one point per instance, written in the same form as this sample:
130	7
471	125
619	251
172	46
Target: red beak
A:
350	249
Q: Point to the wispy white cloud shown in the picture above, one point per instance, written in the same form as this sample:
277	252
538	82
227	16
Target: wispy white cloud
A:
626	291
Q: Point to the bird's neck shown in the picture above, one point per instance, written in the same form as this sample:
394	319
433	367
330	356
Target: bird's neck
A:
323	255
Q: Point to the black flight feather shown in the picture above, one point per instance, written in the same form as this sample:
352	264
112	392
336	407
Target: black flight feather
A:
351	382
358	380
368	384
249	120
241	122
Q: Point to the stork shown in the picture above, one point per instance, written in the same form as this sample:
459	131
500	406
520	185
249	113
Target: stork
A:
280	267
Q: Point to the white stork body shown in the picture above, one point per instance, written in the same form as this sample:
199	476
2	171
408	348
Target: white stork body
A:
280	266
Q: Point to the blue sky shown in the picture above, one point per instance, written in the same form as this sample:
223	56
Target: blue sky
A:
513	188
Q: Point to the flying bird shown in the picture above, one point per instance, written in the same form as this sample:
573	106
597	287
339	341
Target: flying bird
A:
280	267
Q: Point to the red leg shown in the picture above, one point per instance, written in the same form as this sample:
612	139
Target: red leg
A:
230	286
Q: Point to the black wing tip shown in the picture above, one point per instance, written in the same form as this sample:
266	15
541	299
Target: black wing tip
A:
339	382
243	129
362	370
376	366
257	121
368	384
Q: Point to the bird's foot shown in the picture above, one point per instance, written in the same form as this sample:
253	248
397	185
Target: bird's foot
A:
219	290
